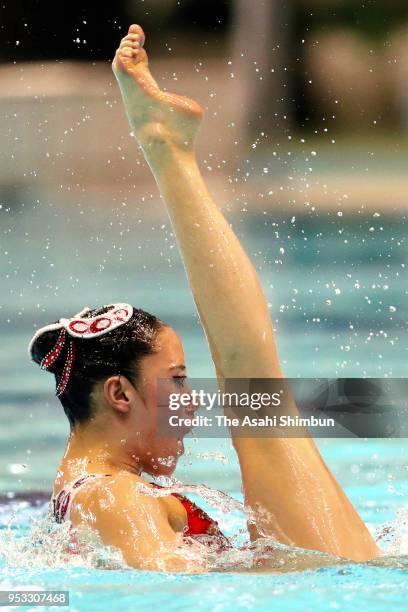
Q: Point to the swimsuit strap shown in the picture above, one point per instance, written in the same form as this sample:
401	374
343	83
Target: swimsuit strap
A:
61	503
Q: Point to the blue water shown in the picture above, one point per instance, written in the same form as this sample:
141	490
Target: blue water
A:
339	589
337	288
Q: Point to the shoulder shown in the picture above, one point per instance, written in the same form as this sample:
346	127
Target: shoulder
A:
113	495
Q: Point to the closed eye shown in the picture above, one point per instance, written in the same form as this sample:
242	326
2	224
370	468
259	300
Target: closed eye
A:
179	380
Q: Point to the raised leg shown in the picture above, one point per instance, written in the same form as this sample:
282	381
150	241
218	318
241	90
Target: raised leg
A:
287	478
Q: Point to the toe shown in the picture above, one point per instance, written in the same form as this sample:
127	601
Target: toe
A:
129	42
136	29
128	52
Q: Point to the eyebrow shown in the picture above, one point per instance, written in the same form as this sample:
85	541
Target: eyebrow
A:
178	367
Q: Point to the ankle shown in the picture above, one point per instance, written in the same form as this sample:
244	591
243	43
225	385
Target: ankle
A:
159	144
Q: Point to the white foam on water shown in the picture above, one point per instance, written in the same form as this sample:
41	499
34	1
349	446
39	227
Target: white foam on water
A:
49	544
46	544
393	536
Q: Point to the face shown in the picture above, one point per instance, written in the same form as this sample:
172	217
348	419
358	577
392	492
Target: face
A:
162	374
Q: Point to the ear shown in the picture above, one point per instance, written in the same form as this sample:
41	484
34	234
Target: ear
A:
119	393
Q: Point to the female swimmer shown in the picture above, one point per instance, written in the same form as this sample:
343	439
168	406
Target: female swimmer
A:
107	362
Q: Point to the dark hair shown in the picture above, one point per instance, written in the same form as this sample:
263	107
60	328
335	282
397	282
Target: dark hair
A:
119	351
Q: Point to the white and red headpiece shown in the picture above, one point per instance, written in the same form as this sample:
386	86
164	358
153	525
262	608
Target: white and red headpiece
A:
80	326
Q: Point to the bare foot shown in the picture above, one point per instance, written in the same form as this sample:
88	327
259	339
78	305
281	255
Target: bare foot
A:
155	116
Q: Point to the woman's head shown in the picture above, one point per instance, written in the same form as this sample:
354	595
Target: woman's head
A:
113	379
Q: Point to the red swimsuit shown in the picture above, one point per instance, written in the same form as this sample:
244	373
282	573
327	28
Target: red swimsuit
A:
200	526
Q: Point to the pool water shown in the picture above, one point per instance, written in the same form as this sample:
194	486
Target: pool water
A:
337	288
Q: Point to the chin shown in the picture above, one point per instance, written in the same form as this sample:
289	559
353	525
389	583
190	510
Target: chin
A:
167	471
167	458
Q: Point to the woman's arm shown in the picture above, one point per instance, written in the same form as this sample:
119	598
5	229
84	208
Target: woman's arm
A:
284	480
137	525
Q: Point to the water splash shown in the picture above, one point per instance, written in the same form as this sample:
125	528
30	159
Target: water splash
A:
44	543
215	498
30	538
393	536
